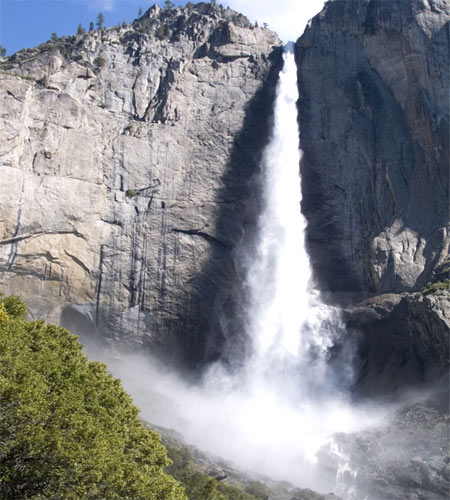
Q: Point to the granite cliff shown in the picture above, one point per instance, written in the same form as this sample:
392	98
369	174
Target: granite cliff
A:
129	158
126	155
374	120
129	162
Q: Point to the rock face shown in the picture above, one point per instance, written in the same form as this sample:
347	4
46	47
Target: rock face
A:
125	156
404	343
407	457
374	120
374	117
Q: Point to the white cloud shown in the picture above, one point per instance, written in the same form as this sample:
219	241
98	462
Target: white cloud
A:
287	17
104	5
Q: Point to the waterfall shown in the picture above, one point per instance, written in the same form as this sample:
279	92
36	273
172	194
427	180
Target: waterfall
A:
277	411
289	383
291	332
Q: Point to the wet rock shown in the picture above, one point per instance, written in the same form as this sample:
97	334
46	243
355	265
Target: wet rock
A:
407	457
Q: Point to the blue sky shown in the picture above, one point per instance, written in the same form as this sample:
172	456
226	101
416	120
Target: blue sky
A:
26	23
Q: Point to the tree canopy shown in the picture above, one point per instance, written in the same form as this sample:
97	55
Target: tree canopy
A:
68	430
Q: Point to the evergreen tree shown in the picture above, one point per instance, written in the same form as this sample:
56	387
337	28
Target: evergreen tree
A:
91	26
80	30
168	5
68	430
2	51
100	21
140	12
53	37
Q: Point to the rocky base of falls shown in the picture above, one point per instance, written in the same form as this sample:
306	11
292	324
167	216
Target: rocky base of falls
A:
407	457
210	467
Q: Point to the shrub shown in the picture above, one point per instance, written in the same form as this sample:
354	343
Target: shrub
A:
99	62
436	287
14	306
201	486
43	81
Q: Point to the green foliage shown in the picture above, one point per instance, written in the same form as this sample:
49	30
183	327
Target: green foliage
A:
91	26
437	286
2	51
140	12
100	21
17	75
161	31
200	486
99	62
168	5
43	81
14	306
80	30
68	430
130	193
54	37
258	490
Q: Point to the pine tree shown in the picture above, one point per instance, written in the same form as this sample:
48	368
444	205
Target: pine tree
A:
80	30
91	26
140	12
100	21
53	37
2	51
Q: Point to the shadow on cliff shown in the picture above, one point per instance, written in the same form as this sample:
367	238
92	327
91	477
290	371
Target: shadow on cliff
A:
213	313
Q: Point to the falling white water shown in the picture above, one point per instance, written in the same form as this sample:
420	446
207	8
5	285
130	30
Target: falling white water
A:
274	414
286	321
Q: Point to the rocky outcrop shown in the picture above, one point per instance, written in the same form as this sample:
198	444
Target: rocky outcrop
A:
125	157
403	343
374	117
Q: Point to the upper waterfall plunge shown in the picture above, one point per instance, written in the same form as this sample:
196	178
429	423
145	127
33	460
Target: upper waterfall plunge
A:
288	397
287	325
